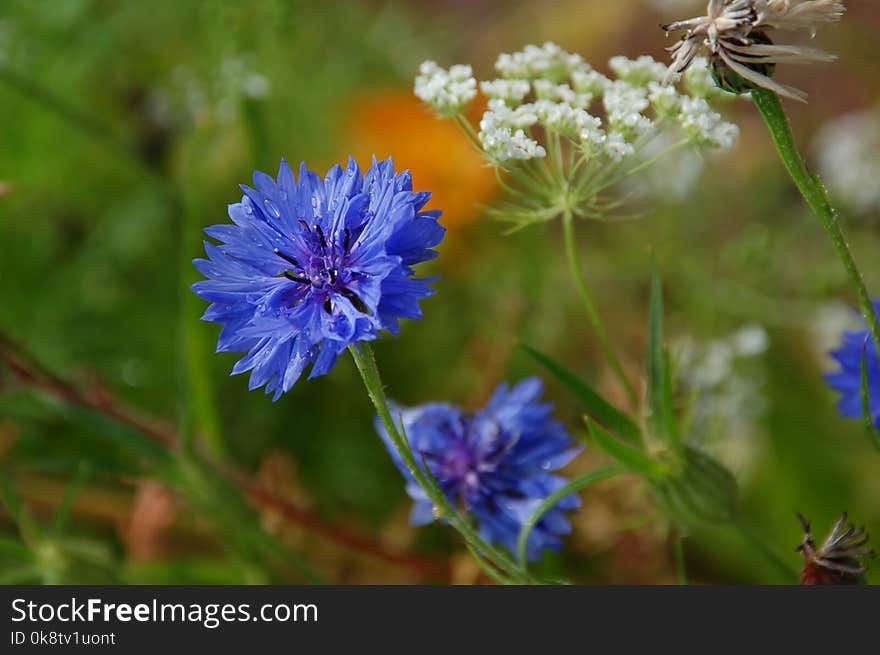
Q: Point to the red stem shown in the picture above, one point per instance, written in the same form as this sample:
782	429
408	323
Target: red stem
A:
28	372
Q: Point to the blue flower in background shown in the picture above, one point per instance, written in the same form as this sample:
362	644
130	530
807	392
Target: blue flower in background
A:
848	380
497	463
309	267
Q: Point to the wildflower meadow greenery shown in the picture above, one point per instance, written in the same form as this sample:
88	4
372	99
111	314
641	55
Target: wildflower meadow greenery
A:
579	376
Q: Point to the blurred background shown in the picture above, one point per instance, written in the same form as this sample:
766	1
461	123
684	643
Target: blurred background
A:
126	127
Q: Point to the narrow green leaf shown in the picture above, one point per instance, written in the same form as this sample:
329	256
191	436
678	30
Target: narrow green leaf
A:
632	458
870	429
595	405
70	494
10	499
487	568
13	549
659	380
573	487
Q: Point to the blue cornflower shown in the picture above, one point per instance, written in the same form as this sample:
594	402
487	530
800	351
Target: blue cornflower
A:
496	463
309	267
848	380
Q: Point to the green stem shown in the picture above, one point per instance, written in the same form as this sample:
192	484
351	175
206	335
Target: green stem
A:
602	334
366	365
578	484
680	561
814	193
469	131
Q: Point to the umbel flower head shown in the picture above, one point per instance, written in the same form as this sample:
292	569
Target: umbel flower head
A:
496	463
856	346
310	266
741	54
563	132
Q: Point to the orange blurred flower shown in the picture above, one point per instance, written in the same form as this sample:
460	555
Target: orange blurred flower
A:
440	157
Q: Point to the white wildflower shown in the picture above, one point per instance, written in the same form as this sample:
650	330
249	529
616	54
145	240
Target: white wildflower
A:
589	81
502	144
848	154
638	72
664	99
623	106
624	98
706	127
512	92
592	138
547	90
539	62
617	147
563	118
447	91
517	118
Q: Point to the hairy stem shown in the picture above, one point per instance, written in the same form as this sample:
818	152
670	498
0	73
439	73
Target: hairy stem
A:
577	272
366	365
680	561
814	193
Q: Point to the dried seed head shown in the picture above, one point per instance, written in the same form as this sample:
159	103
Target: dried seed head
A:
839	560
742	56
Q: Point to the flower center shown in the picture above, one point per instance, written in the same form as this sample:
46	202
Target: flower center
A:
323	271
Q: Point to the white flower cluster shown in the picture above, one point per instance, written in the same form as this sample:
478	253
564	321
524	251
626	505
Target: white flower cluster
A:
847	150
502	144
548	87
638	72
565	119
665	100
549	62
704	126
512	91
589	81
547	90
624	104
447	91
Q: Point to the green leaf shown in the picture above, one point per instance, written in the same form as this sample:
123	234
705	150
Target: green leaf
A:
72	491
596	406
870	429
659	379
10	499
629	456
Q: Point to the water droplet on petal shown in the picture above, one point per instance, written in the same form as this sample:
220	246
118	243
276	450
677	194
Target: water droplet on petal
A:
273	210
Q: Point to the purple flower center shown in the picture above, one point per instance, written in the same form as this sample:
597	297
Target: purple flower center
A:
325	271
469	457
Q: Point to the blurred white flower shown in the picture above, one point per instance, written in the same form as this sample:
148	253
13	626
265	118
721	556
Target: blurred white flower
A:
847	150
830	321
190	96
723	380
